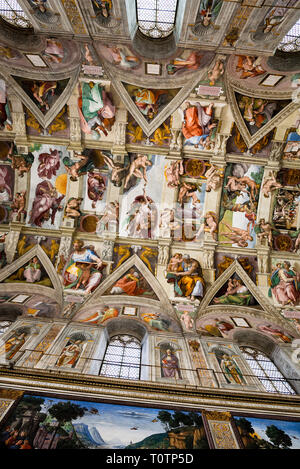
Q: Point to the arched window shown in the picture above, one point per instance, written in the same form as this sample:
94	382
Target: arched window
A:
122	358
291	41
156	18
11	11
268	374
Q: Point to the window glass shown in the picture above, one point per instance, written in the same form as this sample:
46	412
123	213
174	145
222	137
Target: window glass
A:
122	358
291	41
156	18
11	11
265	370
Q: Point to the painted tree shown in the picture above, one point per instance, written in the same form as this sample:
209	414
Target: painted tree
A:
65	412
245	426
196	418
180	418
165	417
29	416
278	437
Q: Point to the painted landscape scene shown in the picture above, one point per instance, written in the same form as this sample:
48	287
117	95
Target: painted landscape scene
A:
48	423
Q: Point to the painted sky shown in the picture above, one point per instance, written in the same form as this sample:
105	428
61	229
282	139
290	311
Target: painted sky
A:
114	422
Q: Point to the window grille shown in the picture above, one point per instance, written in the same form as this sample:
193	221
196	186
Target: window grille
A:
11	11
122	358
265	370
291	41
156	18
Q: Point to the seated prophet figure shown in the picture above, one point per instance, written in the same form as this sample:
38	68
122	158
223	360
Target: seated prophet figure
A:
188	278
285	284
83	262
197	123
96	109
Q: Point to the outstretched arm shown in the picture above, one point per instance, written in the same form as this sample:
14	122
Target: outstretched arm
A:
108	161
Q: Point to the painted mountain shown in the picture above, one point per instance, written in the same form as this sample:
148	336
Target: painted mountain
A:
157	441
185	437
89	437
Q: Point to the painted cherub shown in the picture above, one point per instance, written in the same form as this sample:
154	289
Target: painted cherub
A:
187	320
232	287
174	263
85	276
216	72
